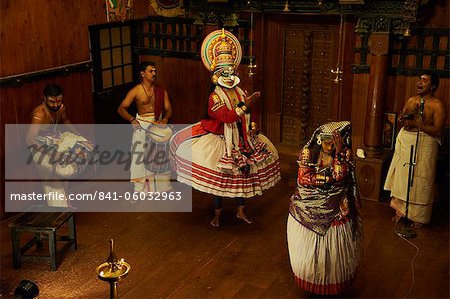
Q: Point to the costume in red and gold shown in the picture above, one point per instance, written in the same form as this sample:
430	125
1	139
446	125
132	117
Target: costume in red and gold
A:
224	155
324	229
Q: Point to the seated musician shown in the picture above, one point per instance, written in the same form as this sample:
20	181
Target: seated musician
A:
49	120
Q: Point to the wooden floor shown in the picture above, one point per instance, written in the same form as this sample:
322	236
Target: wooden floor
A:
179	255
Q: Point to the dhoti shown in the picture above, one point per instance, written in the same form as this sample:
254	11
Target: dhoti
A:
51	182
143	179
421	193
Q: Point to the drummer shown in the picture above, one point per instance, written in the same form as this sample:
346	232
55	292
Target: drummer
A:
153	107
49	119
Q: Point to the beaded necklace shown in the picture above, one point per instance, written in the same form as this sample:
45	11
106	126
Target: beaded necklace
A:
54	121
150	98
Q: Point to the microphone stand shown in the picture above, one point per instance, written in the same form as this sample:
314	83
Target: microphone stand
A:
406	231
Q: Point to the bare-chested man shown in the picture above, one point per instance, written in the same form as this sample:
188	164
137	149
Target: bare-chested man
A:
423	117
153	106
48	115
48	119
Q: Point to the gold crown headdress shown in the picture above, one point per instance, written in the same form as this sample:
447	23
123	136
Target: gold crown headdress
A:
220	50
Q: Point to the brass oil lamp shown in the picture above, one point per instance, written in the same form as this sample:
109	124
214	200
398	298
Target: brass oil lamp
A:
112	271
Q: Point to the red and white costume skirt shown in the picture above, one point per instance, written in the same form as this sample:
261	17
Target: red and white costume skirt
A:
199	159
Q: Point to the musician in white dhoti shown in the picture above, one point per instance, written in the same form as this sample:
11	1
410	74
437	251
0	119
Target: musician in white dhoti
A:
424	118
58	150
153	108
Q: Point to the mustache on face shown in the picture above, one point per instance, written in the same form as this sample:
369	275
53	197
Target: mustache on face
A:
54	109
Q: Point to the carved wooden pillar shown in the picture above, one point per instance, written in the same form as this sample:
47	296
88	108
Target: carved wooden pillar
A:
379	43
371	171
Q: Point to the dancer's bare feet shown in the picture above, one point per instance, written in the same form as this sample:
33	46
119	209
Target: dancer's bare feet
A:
241	215
215	222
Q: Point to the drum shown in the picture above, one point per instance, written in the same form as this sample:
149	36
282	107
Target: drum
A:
157	149
76	160
71	162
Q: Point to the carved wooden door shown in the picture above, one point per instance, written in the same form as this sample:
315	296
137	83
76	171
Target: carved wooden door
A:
307	100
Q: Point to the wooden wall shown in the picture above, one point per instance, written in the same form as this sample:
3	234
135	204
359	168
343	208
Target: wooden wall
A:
38	35
48	34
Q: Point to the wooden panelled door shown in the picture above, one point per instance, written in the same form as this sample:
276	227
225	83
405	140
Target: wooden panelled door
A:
307	98
308	53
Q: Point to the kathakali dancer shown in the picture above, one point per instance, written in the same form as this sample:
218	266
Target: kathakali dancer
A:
225	154
324	229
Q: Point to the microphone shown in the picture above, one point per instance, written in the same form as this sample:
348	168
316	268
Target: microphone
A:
422	106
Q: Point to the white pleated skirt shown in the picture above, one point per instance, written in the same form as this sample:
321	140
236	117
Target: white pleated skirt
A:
327	264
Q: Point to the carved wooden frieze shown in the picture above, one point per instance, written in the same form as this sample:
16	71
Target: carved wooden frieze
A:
399	8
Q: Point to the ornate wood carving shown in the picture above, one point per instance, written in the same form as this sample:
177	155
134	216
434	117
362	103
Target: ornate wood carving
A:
296	75
433	55
180	37
428	48
170	37
404	8
379	44
395	17
324	54
305	105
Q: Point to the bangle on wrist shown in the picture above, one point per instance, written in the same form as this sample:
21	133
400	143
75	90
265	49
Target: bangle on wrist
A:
246	109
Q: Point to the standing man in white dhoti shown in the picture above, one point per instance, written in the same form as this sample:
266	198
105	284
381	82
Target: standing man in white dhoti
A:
153	107
424	119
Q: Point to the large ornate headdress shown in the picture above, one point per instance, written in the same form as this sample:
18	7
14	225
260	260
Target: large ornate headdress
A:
221	54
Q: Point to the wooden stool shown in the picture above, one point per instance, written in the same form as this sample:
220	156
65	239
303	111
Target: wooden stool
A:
43	221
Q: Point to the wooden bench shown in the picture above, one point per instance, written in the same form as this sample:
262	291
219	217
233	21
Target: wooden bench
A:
43	222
